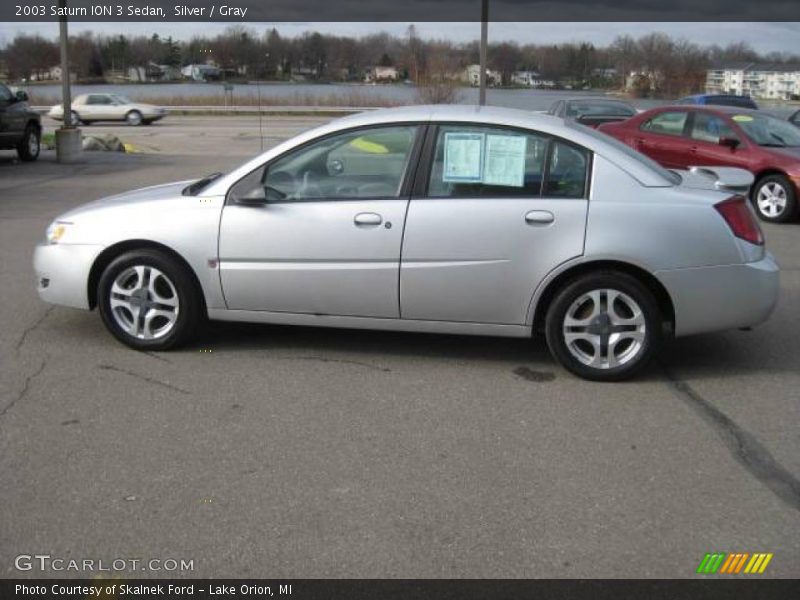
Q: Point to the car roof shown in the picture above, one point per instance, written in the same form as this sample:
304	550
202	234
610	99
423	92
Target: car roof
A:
704	108
596	99
458	113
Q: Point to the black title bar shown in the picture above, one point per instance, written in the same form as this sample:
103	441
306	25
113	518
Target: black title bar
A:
701	588
405	11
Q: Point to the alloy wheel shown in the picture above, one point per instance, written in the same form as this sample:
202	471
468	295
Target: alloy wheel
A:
771	199
604	328
144	302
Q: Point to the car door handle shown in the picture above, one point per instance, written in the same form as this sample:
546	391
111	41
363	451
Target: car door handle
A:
539	217
368	219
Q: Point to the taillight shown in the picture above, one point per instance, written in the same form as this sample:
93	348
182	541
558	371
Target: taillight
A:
740	219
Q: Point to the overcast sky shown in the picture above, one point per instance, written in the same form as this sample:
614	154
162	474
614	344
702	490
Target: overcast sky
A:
764	37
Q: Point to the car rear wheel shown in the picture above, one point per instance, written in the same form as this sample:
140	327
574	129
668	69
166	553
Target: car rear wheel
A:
604	326
775	199
148	301
75	119
30	144
134	118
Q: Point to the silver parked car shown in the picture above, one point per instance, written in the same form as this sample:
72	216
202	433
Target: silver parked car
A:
448	219
90	108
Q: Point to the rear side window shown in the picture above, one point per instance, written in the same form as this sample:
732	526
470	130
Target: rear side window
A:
710	128
666	123
477	161
566	173
96	99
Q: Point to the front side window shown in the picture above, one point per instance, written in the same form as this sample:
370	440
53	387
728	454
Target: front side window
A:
710	128
666	123
363	163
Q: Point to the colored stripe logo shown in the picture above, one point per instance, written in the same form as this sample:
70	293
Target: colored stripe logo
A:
734	563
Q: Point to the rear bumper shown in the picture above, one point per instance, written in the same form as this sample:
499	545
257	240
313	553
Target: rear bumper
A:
62	273
725	297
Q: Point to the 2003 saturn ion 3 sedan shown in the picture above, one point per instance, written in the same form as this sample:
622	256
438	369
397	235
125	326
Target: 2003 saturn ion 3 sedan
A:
447	219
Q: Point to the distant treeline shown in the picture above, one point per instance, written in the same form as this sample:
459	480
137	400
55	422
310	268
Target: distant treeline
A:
651	64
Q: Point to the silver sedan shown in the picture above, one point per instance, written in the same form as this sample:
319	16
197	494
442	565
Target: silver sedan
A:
449	219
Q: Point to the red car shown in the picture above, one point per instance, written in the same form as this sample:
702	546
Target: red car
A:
682	136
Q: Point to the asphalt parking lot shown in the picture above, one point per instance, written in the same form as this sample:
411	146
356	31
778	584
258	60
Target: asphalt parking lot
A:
265	451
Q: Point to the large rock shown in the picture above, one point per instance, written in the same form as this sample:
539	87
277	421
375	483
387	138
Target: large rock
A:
102	142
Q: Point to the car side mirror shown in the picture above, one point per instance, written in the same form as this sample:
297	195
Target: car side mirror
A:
21	96
729	142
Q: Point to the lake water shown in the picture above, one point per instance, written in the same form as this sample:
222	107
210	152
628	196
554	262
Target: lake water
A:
526	99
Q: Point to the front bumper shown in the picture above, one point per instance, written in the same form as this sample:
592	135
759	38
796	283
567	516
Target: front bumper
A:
62	272
723	297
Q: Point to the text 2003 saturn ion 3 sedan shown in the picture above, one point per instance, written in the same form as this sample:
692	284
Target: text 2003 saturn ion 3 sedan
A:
447	219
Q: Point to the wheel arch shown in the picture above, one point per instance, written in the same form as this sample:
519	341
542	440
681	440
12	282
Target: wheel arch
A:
546	296
112	252
766	172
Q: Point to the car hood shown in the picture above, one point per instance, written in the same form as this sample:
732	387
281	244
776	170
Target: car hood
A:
144	196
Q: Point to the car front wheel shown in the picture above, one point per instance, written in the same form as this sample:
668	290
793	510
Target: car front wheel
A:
604	326
774	198
148	300
30	144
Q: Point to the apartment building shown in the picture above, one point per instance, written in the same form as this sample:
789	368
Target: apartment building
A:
771	81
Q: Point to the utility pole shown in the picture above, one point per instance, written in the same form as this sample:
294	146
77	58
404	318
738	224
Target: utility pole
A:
68	137
484	42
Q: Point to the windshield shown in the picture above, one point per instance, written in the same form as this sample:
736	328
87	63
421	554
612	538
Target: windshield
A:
670	176
768	131
599	107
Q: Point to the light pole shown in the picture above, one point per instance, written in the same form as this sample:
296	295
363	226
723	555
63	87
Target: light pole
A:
68	137
484	42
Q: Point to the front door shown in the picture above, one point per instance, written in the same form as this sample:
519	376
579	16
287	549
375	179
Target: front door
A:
500	209
318	230
706	131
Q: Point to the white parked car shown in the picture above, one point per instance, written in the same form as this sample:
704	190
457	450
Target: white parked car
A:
89	108
449	219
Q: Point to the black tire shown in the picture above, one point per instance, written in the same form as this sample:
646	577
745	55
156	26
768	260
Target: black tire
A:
76	119
629	355
30	145
134	118
170	271
768	212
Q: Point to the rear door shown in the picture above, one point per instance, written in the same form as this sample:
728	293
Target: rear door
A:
662	138
495	209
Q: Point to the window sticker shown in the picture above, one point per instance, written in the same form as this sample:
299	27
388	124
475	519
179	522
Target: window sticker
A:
463	157
505	160
742	118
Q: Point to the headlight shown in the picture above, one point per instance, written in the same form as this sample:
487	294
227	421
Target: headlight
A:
56	231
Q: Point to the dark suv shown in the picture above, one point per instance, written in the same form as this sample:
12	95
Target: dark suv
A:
20	127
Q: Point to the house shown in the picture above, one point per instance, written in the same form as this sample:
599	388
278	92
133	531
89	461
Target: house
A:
200	72
472	76
381	74
775	81
524	78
